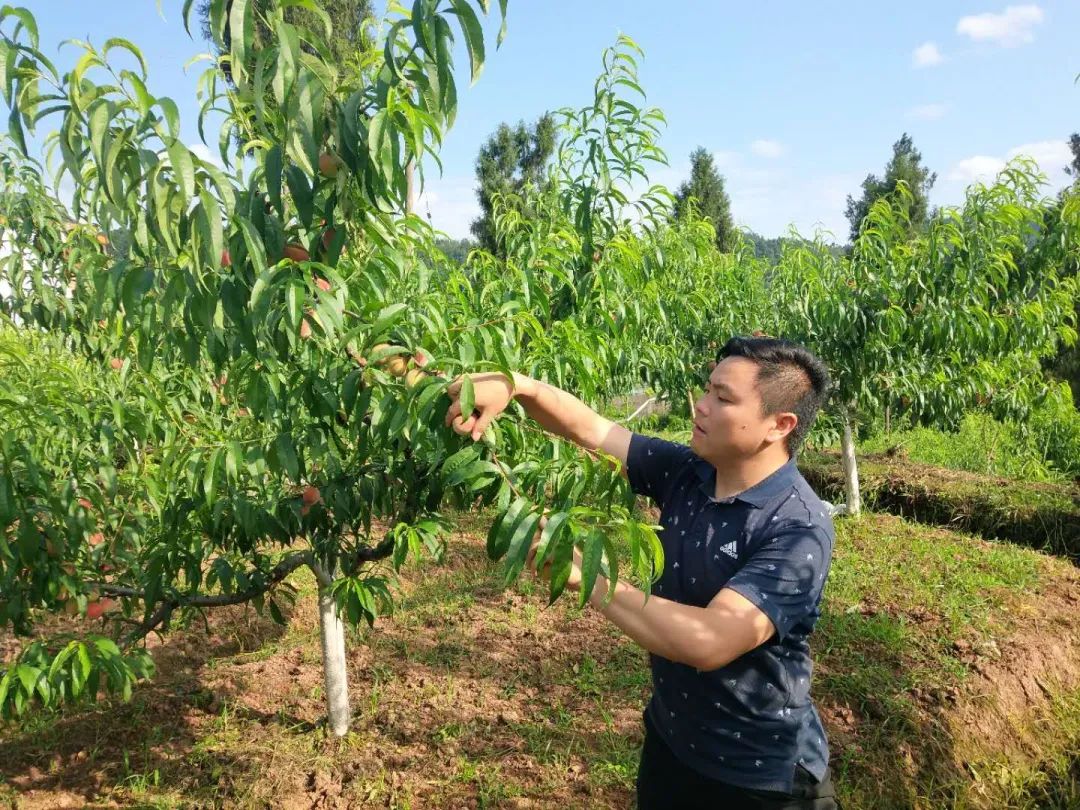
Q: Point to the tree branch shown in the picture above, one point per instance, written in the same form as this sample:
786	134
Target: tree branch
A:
165	609
353	561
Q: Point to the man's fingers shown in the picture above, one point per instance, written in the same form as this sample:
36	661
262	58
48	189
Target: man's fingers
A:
464	426
453	412
454	388
530	558
481	424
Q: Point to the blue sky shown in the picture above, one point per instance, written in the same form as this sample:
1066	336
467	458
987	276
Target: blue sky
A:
797	101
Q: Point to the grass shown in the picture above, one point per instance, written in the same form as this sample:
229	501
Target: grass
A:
1042	515
981	444
908	611
475	696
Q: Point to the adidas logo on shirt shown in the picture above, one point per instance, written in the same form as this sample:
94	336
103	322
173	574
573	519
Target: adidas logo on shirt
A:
730	549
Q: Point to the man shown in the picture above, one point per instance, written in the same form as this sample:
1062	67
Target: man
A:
747	548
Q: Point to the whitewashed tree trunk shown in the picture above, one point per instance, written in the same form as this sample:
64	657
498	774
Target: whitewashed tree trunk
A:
333	650
635	414
851	470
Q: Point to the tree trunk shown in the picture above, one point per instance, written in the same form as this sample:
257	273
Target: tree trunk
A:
690	402
634	415
333	650
851	471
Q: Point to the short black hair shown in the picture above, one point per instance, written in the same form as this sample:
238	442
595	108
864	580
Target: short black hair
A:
790	379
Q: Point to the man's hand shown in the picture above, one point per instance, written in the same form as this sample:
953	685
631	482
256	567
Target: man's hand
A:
493	393
574	582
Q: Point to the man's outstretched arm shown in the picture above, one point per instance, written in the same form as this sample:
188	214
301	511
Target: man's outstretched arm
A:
553	409
705	638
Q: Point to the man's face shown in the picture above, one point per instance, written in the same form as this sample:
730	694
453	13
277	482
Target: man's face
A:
728	420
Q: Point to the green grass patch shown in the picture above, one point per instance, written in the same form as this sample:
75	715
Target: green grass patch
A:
1045	516
909	610
980	444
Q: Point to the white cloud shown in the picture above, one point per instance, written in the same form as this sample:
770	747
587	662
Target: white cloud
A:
928	112
926	55
766	148
976	168
1051	156
1010	28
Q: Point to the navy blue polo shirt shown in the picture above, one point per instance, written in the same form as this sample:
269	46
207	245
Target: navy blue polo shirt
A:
752	722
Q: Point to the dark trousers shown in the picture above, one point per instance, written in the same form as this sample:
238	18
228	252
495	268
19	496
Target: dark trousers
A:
664	783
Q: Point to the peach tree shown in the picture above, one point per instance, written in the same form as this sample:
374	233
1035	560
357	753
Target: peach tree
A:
956	317
218	373
605	261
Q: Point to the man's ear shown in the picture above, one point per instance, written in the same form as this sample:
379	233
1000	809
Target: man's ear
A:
784	424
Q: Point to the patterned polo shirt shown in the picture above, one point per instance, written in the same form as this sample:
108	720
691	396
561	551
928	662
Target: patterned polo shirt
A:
752	722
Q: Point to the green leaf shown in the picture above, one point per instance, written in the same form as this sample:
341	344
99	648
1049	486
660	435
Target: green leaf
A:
294	303
468	472
467	397
183	168
26	18
7	75
286	453
99	130
5	687
276	614
309	109
562	560
240	35
502	28
611	570
474	36
520	542
590	563
137	283
387	317
172	115
287	61
210	476
552	528
15	130
498	540
211	235
185	15
28	675
233	459
463	457
301	192
272	168
120	42
423	27
255	250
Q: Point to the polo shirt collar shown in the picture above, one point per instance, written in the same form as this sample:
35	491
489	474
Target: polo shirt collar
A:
757	495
